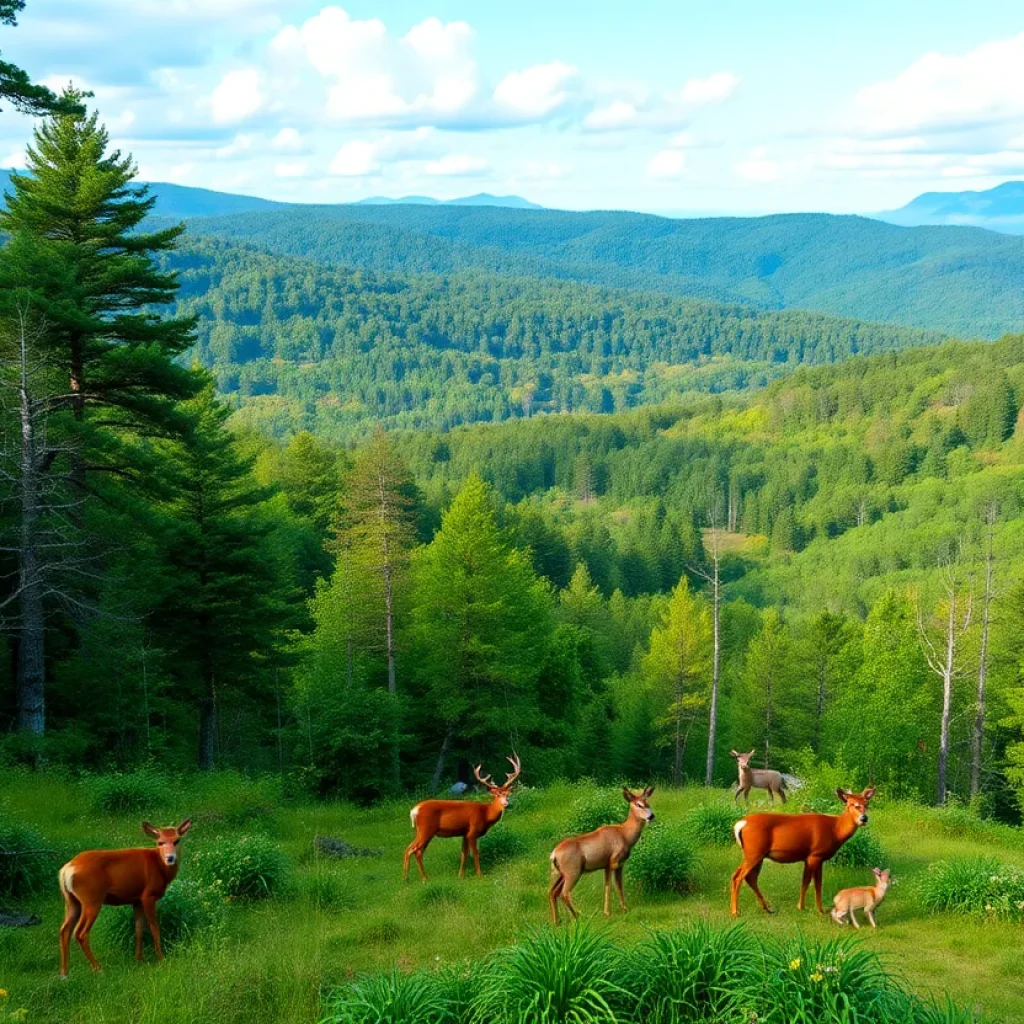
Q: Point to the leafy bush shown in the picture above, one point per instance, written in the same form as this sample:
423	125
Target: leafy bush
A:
27	866
663	860
393	999
981	886
329	890
233	799
502	844
861	850
247	868
711	825
188	908
570	975
698	973
525	798
594	808
144	790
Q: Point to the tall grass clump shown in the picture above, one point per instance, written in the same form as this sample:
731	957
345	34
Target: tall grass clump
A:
502	844
861	850
701	973
394	999
711	825
188	909
570	976
249	867
27	865
663	860
593	808
978	886
233	799
145	790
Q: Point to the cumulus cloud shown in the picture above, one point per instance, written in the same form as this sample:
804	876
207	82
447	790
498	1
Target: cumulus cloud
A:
236	97
759	167
668	163
356	159
665	111
537	91
455	165
288	139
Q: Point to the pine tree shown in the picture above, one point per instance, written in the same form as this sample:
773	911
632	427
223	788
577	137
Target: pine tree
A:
15	85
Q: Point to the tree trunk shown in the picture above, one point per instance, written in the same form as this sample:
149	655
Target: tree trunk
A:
978	734
208	726
435	781
389	632
947	702
709	766
677	764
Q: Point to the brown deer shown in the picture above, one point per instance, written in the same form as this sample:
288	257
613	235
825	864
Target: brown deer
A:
469	819
115	878
761	778
608	847
789	838
864	897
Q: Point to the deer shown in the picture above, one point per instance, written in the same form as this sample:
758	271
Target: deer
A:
761	778
864	897
790	838
607	847
136	877
469	819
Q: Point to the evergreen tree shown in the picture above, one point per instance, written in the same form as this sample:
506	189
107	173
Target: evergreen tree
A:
16	87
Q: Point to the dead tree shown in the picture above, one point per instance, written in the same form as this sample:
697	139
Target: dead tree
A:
978	734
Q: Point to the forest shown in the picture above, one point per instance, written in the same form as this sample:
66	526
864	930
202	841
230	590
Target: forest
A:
827	568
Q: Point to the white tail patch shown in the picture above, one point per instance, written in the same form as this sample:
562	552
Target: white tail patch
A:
738	828
413	814
67	876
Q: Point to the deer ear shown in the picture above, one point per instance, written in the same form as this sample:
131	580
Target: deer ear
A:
150	830
877	871
843	795
868	793
628	795
648	791
752	752
184	826
732	753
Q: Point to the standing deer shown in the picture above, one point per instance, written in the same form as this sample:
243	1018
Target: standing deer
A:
864	897
761	778
115	878
466	818
608	847
789	838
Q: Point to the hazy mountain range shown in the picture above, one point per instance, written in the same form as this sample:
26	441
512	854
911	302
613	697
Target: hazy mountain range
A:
999	209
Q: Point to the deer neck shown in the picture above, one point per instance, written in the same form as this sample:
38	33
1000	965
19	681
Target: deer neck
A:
631	829
494	812
746	774
845	827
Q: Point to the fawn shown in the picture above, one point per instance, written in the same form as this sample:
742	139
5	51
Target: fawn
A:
865	897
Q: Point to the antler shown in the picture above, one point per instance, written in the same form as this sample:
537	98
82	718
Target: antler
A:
485	780
516	769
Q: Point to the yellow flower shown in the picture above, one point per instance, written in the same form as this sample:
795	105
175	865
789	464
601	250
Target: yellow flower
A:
794	965
3	993
817	976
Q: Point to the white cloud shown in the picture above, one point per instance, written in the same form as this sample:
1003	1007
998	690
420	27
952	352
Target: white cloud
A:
293	169
356	159
669	163
714	89
240	145
236	97
14	160
759	167
287	139
537	91
455	165
671	110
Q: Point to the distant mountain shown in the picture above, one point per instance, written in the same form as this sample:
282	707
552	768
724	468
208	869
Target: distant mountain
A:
961	281
481	199
999	209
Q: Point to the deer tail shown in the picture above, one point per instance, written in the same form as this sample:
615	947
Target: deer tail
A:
413	814
737	831
67	876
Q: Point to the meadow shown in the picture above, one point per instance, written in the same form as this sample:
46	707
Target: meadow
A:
323	923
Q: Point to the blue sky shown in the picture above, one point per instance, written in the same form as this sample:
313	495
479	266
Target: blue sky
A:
736	107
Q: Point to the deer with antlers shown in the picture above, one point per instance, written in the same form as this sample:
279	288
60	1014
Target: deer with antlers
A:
608	847
137	877
469	819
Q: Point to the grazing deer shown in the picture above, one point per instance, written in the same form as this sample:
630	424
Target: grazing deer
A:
114	878
469	819
865	897
789	838
761	778
608	847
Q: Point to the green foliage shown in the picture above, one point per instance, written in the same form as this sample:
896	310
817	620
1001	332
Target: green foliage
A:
593	807
329	890
861	850
244	867
391	999
502	844
145	790
979	886
711	825
664	859
27	866
189	909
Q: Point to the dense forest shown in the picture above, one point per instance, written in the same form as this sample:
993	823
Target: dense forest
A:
832	562
964	281
305	346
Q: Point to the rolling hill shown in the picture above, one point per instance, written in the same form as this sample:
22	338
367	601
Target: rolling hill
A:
998	209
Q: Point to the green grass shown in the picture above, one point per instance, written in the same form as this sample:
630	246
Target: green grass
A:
275	960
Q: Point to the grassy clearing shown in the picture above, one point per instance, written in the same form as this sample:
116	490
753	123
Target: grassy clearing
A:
328	922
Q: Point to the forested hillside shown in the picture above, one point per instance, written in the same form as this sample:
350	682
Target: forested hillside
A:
304	346
963	281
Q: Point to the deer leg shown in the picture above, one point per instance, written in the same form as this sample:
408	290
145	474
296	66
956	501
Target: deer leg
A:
870	911
782	795
474	849
608	892
618	885
804	882
567	895
737	881
554	894
771	796
751	879
72	912
462	859
853	918
139	921
405	863
819	868
85	923
149	909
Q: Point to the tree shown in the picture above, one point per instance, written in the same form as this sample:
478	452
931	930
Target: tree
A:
482	620
988	596
15	85
677	662
712	575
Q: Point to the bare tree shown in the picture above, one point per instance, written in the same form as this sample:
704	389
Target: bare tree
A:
712	575
978	734
940	636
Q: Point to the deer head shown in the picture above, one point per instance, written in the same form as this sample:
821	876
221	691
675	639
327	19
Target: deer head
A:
638	806
500	793
167	839
857	803
882	876
742	759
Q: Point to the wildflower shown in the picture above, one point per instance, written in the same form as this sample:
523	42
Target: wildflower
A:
3	993
794	965
817	976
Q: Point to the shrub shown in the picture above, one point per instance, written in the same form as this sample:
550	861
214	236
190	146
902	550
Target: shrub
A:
247	868
233	799
663	860
594	808
502	844
329	890
711	825
27	866
525	798
120	792
861	850
551	977
393	999
188	908
981	886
